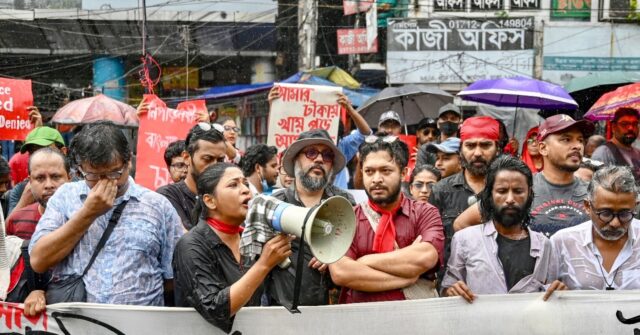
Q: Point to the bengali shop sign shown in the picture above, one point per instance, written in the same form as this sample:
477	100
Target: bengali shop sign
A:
15	97
452	50
301	108
354	41
159	127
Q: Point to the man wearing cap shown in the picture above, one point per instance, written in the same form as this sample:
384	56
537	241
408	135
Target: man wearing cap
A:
312	159
449	118
620	150
40	137
447	155
479	138
427	131
390	123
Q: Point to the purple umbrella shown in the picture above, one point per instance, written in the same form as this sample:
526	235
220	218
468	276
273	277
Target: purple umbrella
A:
519	92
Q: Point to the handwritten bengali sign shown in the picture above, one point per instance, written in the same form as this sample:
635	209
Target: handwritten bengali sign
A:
354	41
450	50
15	97
301	108
159	127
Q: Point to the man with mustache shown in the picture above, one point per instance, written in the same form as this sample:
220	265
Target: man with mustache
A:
48	169
602	253
479	138
620	150
397	248
313	159
524	261
205	145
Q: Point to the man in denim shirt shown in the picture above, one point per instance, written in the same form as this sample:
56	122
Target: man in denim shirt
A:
134	267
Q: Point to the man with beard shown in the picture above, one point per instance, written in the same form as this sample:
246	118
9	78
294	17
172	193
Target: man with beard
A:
603	253
620	150
449	118
559	194
313	159
260	166
524	261
205	146
397	248
479	138
48	169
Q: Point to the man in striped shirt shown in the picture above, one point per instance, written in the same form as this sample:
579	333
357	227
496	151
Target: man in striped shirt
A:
48	169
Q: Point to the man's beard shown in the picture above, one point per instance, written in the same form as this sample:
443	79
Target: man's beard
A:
568	168
474	170
394	193
627	140
510	216
312	183
610	234
195	174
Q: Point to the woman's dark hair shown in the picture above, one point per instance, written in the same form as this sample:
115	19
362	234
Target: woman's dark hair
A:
504	136
397	150
206	184
174	149
504	163
425	167
259	154
100	144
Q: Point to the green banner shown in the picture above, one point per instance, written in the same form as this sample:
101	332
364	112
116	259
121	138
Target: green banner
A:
579	10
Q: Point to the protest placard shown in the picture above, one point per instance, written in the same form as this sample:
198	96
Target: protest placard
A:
159	127
15	97
301	108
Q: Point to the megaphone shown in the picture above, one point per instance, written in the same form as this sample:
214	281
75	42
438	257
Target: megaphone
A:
329	230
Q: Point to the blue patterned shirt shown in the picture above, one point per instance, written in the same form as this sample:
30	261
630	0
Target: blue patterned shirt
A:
136	259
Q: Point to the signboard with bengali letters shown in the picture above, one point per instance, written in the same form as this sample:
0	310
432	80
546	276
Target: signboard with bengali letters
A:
354	41
301	108
452	50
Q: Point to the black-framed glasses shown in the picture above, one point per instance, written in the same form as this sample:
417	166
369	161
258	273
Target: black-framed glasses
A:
420	185
387	139
607	215
327	155
208	126
90	176
230	128
179	166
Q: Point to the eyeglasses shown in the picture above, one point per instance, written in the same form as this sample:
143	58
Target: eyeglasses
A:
229	128
607	215
327	155
420	185
387	139
90	176
208	126
431	131
179	166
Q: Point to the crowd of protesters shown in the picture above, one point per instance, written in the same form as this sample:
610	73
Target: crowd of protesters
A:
477	216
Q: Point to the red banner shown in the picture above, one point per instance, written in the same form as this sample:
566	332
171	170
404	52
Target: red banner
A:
412	142
159	127
193	106
352	7
15	97
354	41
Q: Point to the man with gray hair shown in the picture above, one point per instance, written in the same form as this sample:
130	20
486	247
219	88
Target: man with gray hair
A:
602	254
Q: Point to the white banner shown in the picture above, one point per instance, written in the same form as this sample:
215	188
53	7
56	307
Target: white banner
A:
301	108
576	312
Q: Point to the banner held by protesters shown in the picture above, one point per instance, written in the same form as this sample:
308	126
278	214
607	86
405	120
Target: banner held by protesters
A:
15	97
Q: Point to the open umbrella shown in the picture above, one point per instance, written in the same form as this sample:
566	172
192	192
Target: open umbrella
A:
411	102
587	89
98	108
606	106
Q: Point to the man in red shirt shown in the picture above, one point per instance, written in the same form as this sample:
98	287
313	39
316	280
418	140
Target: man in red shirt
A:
48	169
398	243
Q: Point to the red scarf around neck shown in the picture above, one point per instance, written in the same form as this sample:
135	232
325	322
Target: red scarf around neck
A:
223	227
385	238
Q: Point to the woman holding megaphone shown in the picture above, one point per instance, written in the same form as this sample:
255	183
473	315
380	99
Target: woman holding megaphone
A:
210	274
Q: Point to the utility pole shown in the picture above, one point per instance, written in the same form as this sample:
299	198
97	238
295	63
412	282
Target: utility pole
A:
308	29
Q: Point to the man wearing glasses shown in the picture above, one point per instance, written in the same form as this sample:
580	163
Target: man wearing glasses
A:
134	267
313	159
175	162
602	254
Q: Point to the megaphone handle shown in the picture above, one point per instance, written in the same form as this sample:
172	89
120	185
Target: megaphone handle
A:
300	264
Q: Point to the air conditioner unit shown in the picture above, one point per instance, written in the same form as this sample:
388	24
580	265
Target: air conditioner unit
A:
616	10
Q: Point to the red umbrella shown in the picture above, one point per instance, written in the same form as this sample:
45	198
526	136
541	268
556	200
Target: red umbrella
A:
98	108
606	106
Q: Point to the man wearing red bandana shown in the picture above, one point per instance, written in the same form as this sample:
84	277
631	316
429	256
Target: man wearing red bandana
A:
397	248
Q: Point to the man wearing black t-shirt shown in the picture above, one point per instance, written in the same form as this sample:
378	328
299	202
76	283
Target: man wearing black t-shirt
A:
524	257
205	146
